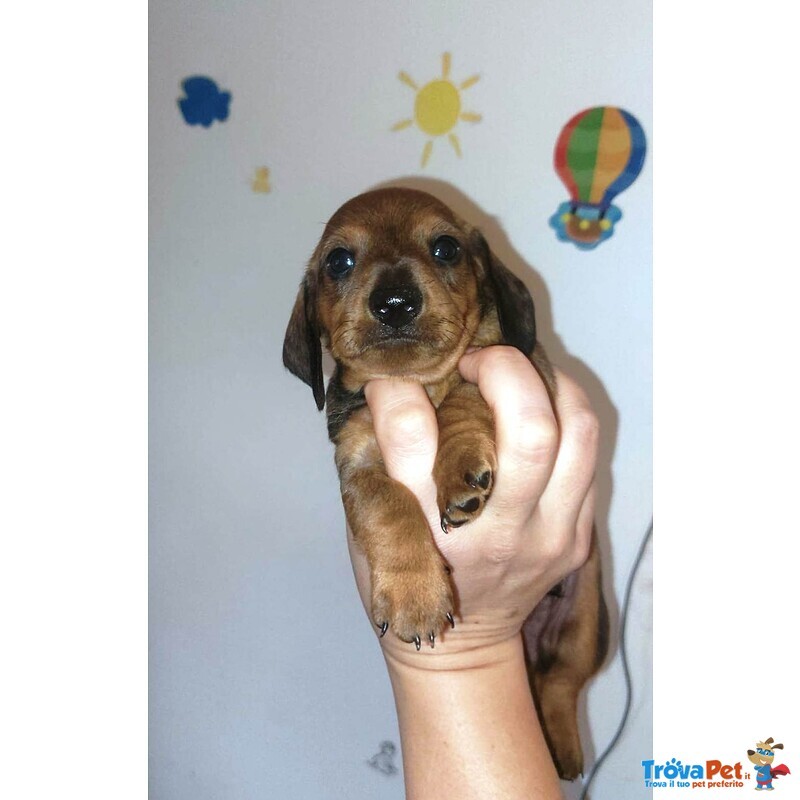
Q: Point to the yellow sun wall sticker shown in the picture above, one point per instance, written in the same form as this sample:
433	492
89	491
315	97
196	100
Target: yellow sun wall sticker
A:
437	108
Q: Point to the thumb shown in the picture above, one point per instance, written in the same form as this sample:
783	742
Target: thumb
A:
406	430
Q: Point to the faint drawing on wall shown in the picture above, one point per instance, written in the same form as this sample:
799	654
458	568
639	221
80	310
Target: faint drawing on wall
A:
437	108
204	102
383	760
599	153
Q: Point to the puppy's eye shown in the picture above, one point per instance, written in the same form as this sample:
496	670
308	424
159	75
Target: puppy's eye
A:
445	249
340	262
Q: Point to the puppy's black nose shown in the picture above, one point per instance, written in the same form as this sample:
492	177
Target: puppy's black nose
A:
395	306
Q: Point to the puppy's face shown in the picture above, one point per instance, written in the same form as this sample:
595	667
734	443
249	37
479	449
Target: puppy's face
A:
397	286
400	286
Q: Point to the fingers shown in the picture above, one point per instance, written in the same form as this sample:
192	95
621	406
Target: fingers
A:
584	529
575	464
526	430
407	433
546	456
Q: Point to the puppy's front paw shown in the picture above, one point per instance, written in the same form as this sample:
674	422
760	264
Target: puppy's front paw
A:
415	604
464	484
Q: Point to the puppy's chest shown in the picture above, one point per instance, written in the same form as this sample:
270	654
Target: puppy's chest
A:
438	391
343	403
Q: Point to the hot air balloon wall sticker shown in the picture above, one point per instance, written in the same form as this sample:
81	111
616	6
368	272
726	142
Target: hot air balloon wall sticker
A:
599	153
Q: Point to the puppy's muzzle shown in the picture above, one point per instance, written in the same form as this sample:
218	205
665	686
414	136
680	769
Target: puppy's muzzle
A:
395	306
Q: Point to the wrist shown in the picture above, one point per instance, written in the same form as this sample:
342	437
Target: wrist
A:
453	655
468	725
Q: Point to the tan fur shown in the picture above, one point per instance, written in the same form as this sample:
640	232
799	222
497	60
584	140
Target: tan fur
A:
410	588
576	658
473	301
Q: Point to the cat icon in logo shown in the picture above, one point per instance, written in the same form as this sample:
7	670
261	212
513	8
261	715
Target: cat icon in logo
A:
762	757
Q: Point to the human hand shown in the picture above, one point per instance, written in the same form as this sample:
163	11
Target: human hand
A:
536	527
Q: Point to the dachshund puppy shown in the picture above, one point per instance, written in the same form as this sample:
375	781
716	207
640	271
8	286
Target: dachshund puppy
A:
399	286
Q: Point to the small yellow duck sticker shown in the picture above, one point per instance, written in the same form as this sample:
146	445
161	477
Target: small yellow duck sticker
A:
260	182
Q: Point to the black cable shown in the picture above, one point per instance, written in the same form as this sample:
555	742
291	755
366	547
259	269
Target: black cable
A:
624	657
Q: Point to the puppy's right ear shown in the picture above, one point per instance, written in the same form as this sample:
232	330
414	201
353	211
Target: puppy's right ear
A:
302	349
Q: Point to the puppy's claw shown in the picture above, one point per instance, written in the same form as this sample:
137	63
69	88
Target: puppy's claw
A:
384	628
448	524
432	637
417	642
450	619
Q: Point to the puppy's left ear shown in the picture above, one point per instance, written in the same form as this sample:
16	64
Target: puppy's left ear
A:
511	298
302	349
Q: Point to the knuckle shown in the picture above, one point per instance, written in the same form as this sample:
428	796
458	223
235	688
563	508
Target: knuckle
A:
580	553
406	423
503	358
586	429
537	438
554	547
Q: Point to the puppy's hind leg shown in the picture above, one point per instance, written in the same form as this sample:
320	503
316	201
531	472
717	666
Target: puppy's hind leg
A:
560	672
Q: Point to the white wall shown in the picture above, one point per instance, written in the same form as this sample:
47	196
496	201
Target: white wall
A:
266	679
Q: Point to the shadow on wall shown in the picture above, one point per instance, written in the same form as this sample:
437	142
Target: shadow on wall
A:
588	380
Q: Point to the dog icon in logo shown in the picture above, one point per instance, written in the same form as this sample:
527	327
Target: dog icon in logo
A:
762	757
